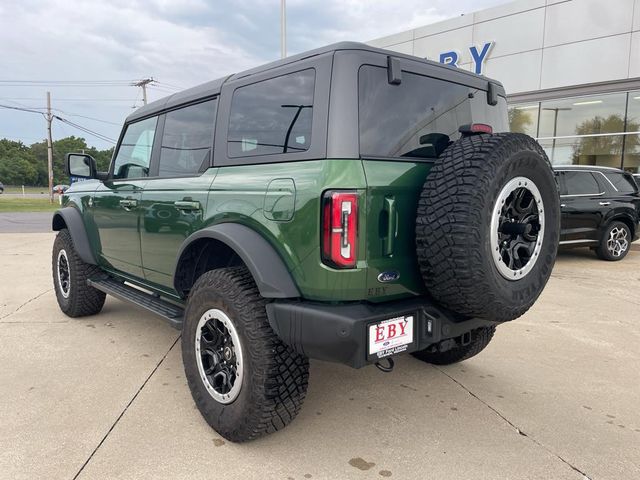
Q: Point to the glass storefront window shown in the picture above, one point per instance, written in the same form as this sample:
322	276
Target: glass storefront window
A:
584	130
633	112
632	142
632	154
582	115
523	118
603	151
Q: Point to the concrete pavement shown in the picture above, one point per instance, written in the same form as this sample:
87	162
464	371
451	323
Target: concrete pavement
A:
554	396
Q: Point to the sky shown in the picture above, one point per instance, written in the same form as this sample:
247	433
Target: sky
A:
179	43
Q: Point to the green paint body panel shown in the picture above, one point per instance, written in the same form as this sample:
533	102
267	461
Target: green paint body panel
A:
280	201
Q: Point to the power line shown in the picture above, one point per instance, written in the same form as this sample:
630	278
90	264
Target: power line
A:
86	130
88	118
177	87
84	99
66	81
10	107
35	110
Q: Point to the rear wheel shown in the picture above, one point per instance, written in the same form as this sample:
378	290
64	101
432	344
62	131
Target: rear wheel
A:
244	380
488	226
480	338
615	242
70	275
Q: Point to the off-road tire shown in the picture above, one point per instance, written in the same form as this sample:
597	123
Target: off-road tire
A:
275	378
82	300
603	252
453	225
480	338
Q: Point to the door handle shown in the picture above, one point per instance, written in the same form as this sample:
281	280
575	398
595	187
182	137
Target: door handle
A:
392	225
187	205
128	203
605	204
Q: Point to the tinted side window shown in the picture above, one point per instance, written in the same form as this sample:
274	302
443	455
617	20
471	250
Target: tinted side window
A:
420	116
581	183
187	139
623	182
272	116
134	154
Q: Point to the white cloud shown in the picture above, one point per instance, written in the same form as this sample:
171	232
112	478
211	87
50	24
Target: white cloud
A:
178	42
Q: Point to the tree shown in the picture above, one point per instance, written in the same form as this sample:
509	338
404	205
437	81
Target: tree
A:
520	120
596	150
27	165
17	164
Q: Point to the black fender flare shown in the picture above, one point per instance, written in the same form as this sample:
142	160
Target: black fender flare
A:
265	264
71	219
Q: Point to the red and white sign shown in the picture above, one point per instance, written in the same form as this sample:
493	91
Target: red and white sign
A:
393	334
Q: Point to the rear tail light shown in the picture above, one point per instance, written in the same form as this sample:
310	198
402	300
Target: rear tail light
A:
340	228
473	128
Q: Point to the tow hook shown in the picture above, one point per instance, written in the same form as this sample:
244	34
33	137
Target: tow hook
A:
385	368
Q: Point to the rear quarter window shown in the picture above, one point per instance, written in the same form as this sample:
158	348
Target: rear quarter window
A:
272	116
420	116
623	182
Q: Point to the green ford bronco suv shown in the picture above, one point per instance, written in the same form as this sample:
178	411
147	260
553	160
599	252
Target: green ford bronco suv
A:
347	204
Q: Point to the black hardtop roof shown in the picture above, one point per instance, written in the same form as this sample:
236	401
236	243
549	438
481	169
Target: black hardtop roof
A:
595	168
213	87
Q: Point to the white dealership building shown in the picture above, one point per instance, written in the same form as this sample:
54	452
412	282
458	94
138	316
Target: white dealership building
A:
571	69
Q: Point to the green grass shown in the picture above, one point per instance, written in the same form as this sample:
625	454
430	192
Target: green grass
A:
27	204
31	190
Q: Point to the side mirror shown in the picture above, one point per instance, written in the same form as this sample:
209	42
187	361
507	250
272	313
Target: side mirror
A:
80	166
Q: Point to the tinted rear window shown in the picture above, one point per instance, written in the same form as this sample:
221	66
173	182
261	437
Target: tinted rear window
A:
272	116
581	183
420	116
624	183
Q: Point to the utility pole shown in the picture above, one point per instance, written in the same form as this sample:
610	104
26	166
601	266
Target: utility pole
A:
49	147
283	28
143	83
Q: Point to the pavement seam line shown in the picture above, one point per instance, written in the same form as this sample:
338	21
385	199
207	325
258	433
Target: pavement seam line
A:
25	304
513	425
155	369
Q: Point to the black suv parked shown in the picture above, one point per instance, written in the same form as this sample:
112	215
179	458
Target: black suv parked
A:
600	209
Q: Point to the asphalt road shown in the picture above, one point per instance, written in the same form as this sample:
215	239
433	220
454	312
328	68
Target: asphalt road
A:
43	195
555	395
25	222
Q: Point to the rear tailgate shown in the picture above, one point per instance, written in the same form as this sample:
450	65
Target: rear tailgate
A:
393	188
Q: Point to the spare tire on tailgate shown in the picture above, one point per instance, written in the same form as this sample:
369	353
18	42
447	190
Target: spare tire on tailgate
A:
488	226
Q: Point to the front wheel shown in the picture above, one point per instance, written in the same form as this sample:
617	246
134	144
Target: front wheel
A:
244	380
615	242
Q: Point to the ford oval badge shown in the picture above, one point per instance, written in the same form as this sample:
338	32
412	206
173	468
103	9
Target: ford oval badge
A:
386	277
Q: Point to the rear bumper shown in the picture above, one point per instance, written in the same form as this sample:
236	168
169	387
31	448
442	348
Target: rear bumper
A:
338	332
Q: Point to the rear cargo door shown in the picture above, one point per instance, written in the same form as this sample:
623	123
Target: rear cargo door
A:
393	188
406	121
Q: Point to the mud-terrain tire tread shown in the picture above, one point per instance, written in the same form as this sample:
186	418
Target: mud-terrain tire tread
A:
480	338
601	250
449	243
278	375
83	300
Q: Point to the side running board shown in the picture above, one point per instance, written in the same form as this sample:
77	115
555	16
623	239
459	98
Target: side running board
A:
170	312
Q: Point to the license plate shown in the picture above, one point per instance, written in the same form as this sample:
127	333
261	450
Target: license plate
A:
389	337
